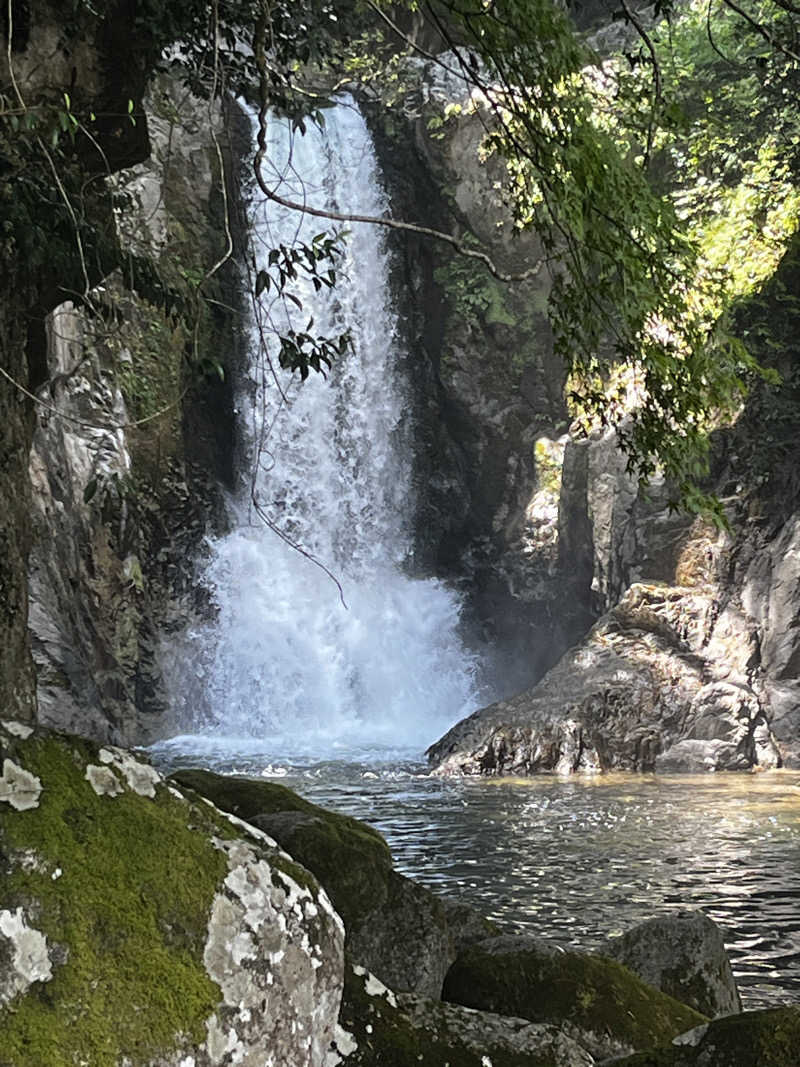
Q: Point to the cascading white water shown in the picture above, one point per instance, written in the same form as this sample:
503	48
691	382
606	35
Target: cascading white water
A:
286	664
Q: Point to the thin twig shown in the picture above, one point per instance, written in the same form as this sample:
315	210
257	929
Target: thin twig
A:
336	216
761	30
632	17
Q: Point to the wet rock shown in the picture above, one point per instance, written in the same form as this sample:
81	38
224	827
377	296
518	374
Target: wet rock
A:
143	929
639	693
753	1039
381	1029
396	928
608	1009
684	955
118	511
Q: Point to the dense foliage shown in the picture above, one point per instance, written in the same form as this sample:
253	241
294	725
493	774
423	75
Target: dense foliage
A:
661	179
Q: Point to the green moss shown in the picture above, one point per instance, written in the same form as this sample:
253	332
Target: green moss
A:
350	858
473	294
595	993
753	1039
393	1040
128	914
150	374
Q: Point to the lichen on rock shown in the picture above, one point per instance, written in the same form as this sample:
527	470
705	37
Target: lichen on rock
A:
164	934
19	787
30	959
397	928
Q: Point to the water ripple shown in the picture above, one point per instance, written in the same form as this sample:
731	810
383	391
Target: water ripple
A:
580	860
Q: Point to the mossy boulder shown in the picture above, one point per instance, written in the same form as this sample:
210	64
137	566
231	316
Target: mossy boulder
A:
379	1028
684	955
753	1039
609	1009
396	928
346	855
139	927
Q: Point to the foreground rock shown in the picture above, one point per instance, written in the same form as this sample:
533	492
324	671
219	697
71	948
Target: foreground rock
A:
396	928
755	1039
683	955
608	1009
138	927
640	694
381	1029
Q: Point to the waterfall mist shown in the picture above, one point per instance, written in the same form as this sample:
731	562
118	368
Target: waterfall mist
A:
286	667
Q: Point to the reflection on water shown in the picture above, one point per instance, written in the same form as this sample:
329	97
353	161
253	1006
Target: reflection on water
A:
585	858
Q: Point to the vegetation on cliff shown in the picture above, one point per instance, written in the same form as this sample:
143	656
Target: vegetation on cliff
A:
661	181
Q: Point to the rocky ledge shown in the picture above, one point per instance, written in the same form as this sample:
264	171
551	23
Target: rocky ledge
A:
663	682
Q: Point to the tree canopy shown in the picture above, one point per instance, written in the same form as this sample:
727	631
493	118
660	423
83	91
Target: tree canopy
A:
660	176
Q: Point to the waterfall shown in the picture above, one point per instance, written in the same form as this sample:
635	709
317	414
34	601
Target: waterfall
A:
286	664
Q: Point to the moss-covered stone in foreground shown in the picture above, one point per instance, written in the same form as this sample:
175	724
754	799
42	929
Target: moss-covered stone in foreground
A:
534	980
754	1039
140	928
122	889
350	858
383	1030
395	927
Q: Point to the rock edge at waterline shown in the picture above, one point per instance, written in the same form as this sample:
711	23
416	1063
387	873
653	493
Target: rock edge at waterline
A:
642	692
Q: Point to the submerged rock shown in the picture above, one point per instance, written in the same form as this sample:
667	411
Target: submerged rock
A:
683	955
753	1039
608	1009
140	928
381	1029
638	694
396	928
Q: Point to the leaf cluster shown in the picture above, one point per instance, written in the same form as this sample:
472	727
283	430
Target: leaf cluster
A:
632	284
315	261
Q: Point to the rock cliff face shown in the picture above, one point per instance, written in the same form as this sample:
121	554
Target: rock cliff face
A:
102	570
17	683
699	671
130	448
44	55
490	401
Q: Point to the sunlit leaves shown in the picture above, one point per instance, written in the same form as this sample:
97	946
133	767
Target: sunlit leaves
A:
642	277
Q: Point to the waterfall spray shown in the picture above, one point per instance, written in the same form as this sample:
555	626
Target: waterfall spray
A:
285	663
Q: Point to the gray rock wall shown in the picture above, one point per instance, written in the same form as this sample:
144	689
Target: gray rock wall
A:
47	54
126	479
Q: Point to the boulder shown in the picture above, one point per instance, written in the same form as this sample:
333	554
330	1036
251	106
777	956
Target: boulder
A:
753	1039
608	1009
396	928
638	694
138	927
684	955
381	1029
